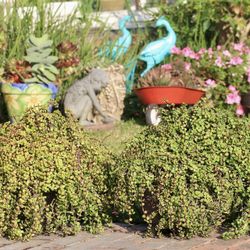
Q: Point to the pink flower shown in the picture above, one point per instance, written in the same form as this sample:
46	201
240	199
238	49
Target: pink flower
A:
239	110
236	60
233	98
195	56
176	50
219	47
187	52
232	88
210	83
210	52
166	66
238	47
187	66
218	62
247	50
226	53
202	51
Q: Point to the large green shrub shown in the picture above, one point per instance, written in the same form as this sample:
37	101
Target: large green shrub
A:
188	175
52	177
207	23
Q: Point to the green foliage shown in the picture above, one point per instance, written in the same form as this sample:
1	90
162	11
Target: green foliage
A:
52	177
188	175
201	23
38	55
219	71
16	26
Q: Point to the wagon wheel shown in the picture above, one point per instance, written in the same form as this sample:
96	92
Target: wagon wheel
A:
152	115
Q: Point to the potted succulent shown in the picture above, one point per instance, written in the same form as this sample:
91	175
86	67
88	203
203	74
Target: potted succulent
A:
30	81
68	62
174	83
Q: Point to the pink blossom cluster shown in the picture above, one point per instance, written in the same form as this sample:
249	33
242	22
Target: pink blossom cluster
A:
210	83
222	57
166	67
232	62
218	62
186	52
239	47
234	98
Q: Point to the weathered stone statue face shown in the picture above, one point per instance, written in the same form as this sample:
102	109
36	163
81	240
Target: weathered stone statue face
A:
99	79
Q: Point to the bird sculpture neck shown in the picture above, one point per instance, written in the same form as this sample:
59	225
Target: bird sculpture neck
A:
124	30
168	28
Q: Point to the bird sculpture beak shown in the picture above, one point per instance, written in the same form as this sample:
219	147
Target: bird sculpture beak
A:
129	18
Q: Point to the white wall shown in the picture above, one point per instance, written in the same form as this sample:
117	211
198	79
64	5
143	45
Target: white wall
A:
110	18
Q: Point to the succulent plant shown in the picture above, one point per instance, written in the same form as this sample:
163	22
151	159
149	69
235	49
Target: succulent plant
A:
15	71
66	47
67	55
39	56
174	74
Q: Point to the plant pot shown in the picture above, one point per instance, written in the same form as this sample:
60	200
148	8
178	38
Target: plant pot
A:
168	95
112	5
19	97
159	95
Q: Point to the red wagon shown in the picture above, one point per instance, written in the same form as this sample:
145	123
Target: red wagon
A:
159	95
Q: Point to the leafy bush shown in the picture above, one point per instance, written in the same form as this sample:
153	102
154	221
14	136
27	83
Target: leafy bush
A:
224	72
52	177
201	23
188	175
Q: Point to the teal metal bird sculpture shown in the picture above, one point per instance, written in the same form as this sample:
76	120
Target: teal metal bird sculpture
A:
120	47
154	52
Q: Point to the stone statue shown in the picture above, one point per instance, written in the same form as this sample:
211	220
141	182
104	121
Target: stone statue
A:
112	96
81	97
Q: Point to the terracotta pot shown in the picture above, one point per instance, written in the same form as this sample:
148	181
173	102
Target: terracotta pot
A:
112	5
18	97
168	95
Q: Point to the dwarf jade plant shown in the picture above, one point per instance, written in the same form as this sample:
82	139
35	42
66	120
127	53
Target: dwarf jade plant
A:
48	189
39	56
187	176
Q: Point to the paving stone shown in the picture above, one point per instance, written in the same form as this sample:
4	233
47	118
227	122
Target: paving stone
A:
124	237
102	241
174	244
64	242
244	246
219	244
36	241
4	242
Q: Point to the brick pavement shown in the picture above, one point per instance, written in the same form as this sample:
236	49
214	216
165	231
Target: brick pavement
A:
124	237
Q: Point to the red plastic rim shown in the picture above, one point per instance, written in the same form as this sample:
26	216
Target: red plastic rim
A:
168	95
